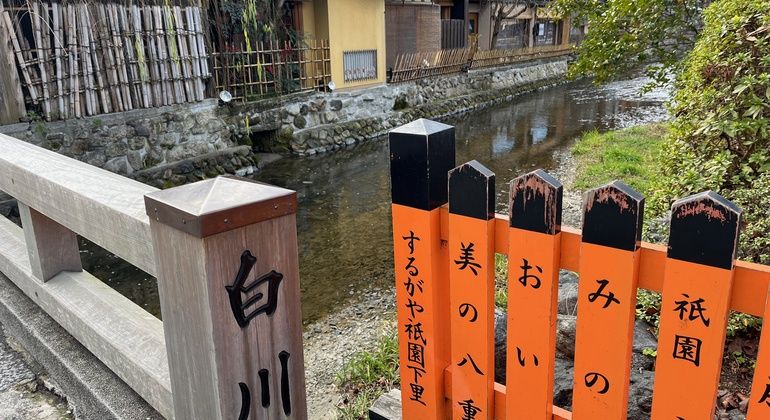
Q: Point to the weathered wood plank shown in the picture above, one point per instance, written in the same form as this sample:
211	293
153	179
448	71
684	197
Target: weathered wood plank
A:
231	350
121	334
109	212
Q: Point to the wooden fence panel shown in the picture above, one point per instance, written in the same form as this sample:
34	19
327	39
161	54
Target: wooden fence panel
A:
421	154
609	269
472	290
533	284
695	306
454	34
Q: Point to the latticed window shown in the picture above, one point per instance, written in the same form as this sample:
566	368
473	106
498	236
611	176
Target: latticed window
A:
360	65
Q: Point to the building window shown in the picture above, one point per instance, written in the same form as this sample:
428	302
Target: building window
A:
360	65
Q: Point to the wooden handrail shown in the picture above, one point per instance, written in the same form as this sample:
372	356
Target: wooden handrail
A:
104	207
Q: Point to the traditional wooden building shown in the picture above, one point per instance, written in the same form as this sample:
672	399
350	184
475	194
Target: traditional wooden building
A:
355	30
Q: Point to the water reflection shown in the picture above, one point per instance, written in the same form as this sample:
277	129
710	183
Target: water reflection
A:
344	198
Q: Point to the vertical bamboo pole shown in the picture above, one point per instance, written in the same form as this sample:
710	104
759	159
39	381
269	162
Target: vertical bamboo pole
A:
232	353
49	58
108	57
163	61
58	40
73	55
184	56
697	286
124	85
85	55
196	66
609	272
126	34
472	289
34	12
145	67
158	93
534	245
95	59
201	43
174	61
19	57
421	154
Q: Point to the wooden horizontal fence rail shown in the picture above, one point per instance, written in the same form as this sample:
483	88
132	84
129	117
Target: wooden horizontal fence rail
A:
443	242
493	58
272	68
418	65
224	251
80	59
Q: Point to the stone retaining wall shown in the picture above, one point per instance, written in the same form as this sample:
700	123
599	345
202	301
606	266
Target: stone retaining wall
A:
176	144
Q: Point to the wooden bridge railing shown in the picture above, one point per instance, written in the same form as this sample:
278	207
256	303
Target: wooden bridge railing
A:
224	251
446	234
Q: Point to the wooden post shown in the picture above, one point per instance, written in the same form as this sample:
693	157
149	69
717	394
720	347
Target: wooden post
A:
226	255
472	289
759	400
421	154
534	246
52	248
697	287
609	270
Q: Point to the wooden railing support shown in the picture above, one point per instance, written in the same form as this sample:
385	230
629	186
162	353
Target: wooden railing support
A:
228	277
52	248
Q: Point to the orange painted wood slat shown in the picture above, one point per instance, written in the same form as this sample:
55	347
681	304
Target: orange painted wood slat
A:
609	267
759	400
501	409
533	285
420	300
472	315
750	280
689	351
695	305
421	154
472	290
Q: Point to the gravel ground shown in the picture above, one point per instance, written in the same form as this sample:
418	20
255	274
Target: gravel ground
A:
25	391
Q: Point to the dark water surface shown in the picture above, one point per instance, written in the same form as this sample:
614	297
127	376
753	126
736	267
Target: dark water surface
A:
344	197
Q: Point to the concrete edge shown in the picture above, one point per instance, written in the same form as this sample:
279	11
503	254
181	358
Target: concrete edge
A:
387	407
91	388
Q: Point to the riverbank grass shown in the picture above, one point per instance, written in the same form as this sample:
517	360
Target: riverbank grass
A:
366	376
631	155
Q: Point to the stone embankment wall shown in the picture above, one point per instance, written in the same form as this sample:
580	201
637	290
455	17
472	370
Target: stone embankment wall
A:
178	144
321	123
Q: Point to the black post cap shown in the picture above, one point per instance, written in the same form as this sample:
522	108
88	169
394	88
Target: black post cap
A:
613	215
421	155
472	191
535	202
704	230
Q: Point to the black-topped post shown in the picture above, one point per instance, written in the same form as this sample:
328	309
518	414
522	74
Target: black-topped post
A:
421	154
697	287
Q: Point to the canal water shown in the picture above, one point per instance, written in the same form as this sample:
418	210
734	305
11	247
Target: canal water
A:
343	220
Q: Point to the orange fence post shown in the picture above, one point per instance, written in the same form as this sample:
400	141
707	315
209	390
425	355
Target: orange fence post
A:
533	283
609	266
696	299
759	400
421	154
472	290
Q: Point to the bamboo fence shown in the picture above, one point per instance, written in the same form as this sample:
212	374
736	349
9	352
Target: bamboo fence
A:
272	68
80	59
418	65
492	58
